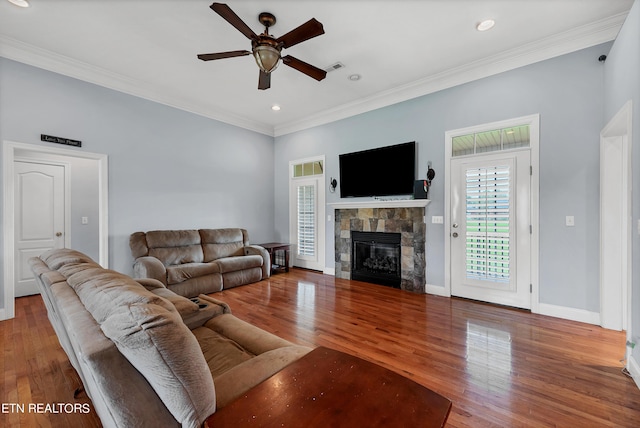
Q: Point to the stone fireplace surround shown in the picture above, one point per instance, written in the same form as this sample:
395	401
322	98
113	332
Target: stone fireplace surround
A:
406	217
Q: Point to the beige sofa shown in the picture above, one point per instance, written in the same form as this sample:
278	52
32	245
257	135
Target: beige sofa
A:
192	262
146	356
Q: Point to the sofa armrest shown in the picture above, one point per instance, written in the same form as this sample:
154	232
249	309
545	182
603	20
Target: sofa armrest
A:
150	267
150	283
213	308
258	250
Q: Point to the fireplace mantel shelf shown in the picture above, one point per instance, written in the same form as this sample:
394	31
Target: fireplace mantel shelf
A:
391	203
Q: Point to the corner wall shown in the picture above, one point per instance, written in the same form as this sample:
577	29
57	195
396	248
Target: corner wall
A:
168	169
567	93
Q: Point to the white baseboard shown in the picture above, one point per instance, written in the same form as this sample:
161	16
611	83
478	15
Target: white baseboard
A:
634	369
567	313
437	290
329	271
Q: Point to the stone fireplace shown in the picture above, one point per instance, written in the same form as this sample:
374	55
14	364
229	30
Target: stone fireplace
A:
406	221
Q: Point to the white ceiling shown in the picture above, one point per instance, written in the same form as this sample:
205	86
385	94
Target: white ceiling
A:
402	49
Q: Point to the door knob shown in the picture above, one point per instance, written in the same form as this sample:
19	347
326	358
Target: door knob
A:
454	234
59	234
455	225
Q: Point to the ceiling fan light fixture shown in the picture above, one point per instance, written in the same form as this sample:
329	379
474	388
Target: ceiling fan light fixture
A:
267	57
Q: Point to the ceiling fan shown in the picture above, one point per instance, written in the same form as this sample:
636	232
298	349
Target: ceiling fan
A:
267	49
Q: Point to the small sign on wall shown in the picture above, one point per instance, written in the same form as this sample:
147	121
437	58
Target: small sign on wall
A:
60	140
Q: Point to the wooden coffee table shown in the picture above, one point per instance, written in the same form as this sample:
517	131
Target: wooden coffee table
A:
328	388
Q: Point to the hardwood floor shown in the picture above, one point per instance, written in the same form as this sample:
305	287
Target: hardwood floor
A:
501	367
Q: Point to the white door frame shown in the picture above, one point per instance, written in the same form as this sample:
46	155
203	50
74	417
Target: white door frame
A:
615	271
534	134
9	155
321	209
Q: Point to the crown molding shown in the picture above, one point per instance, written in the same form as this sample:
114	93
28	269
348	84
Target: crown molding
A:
51	61
570	41
563	43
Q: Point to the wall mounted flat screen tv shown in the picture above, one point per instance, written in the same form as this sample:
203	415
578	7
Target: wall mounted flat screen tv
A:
384	171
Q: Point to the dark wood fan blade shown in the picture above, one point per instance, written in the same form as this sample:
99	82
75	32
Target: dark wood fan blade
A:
264	81
305	68
310	29
230	16
222	55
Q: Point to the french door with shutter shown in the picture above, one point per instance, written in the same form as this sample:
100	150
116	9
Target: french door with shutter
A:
307	213
490	228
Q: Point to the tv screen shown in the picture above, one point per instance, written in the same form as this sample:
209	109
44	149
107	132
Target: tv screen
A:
384	171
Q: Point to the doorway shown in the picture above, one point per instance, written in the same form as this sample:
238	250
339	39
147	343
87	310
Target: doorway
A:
491	212
41	216
14	151
615	222
307	208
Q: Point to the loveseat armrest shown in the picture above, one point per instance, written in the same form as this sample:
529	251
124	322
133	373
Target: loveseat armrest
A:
150	267
250	250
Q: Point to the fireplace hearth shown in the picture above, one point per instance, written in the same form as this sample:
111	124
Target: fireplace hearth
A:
376	257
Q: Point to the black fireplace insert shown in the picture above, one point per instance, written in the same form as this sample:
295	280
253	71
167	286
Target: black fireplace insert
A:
376	258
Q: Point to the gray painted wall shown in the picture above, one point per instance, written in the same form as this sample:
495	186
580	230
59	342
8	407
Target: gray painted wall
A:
168	169
622	83
565	91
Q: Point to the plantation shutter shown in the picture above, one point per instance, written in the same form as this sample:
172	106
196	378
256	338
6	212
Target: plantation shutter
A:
306	220
488	203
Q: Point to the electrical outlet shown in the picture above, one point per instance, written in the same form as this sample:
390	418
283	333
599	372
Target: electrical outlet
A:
570	220
437	219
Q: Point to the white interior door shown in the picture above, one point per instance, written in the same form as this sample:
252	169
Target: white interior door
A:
39	217
490	228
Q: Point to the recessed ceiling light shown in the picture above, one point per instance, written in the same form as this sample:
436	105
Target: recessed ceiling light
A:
21	3
275	107
354	77
485	25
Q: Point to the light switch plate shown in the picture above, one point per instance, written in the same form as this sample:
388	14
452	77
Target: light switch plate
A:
570	221
437	219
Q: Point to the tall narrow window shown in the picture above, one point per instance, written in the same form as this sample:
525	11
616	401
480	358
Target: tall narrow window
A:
306	220
488	223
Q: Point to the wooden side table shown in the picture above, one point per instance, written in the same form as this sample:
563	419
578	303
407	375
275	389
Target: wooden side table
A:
279	253
328	388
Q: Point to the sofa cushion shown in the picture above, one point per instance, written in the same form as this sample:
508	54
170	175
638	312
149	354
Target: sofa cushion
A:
102	291
59	257
173	247
239	379
218	243
221	353
161	347
183	272
232	264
